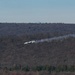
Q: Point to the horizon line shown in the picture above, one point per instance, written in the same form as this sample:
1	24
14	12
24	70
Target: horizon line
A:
37	22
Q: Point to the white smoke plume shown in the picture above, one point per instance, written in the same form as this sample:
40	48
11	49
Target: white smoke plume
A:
50	39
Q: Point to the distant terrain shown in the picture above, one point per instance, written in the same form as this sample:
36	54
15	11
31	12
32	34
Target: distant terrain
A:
54	53
35	28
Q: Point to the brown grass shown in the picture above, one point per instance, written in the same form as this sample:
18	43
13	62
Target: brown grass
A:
34	73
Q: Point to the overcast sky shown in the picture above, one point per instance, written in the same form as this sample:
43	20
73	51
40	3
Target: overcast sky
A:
37	11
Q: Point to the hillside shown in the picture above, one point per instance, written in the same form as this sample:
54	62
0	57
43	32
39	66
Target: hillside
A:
13	51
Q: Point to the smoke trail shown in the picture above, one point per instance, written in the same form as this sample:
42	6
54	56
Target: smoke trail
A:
50	39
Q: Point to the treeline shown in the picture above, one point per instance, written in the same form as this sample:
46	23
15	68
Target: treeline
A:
60	68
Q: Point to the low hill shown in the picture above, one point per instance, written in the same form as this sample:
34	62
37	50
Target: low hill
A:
13	51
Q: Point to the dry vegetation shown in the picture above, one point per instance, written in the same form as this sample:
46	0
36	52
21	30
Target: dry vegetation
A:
35	73
13	51
56	53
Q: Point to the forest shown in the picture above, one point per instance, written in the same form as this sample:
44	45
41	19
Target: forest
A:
47	58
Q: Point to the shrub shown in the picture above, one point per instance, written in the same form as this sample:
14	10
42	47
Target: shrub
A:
27	68
72	68
16	67
51	68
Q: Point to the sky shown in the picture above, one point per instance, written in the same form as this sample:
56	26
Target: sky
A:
31	11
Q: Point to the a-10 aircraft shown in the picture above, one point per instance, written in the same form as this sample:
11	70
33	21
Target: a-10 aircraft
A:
50	39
